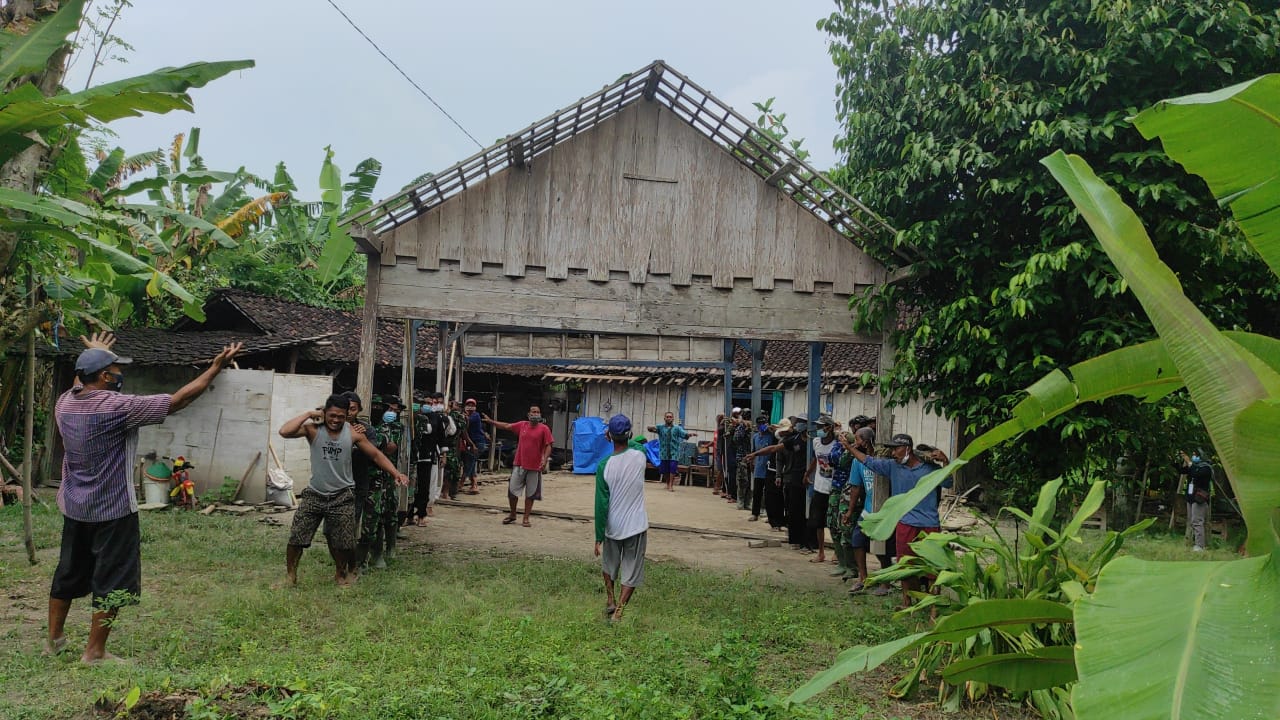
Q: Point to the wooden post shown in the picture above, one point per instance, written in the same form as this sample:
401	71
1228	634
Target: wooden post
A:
757	365
408	360
28	536
815	388
442	348
493	439
460	354
369	330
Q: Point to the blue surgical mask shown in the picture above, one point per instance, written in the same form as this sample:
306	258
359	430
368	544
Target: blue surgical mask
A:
819	434
390	416
1195	458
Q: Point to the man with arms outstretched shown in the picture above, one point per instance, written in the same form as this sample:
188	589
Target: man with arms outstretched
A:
670	437
101	543
532	451
622	524
331	496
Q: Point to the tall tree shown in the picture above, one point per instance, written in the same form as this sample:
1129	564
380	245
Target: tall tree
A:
947	109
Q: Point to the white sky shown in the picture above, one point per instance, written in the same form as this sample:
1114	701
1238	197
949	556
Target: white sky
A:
496	66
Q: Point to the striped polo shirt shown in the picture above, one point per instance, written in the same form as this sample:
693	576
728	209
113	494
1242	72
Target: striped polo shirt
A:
100	435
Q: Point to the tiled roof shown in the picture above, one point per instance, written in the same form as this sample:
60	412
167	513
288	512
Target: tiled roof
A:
154	346
785	363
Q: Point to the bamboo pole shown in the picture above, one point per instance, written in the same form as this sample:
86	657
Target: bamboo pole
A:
28	535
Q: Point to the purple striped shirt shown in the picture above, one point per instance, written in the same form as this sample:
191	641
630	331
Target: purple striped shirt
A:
100	434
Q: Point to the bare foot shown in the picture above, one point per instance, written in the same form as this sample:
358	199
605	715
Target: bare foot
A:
289	581
345	581
106	657
431	512
55	646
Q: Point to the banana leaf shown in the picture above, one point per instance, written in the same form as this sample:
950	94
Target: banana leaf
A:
1221	137
970	621
1035	669
28	53
1222	377
1180	639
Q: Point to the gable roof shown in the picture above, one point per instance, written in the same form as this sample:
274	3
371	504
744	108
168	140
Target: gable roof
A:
656	82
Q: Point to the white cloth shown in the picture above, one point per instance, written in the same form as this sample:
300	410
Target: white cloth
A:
437	483
624	474
823	472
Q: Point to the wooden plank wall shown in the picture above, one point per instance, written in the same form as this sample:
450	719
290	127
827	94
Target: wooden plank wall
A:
645	194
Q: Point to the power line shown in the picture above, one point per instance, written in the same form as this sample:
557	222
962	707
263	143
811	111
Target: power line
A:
405	74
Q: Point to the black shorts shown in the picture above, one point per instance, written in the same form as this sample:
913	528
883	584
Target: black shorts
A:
100	558
818	506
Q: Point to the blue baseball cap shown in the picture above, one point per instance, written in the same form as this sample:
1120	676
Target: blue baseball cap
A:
619	424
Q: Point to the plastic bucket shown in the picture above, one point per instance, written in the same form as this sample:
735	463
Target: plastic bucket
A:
156	493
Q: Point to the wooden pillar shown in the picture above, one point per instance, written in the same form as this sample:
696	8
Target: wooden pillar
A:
442	349
28	423
757	365
369	330
728	377
815	387
408	360
461	354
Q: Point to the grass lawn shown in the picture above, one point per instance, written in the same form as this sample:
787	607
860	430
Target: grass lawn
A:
459	635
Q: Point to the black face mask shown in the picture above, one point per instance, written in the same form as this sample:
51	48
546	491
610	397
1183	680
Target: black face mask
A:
117	381
535	419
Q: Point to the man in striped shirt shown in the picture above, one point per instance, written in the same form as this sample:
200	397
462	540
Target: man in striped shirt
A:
622	524
101	553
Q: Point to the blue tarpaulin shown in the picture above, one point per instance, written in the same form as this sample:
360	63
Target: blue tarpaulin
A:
651	451
590	446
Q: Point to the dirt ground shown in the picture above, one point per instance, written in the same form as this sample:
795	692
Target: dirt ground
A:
713	534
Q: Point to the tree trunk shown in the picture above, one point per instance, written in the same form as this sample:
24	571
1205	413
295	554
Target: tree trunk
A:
23	171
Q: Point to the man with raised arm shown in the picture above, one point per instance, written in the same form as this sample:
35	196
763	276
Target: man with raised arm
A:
533	449
671	435
101	543
330	496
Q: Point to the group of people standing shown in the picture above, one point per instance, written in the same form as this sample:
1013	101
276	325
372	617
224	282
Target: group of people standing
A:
814	479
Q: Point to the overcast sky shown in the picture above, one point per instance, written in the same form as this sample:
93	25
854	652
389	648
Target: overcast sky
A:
495	66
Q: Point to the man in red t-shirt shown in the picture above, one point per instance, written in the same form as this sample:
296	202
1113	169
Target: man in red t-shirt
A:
532	450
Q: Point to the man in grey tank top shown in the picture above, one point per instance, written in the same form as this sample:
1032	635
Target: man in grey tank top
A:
330	496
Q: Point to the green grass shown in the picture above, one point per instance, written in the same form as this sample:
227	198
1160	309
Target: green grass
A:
463	635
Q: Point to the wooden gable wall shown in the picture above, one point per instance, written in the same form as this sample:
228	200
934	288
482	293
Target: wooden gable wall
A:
644	198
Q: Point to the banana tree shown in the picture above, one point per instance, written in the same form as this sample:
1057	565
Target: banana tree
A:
75	247
1179	639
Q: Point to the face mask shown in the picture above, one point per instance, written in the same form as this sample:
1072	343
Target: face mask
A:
819	434
117	381
905	457
762	427
800	427
390	416
535	419
1195	458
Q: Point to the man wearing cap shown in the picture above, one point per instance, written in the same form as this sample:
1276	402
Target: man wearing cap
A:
479	444
761	480
821	475
101	551
792	435
671	436
621	521
904	470
728	435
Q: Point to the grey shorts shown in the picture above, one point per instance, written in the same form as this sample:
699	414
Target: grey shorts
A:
338	511
525	483
623	560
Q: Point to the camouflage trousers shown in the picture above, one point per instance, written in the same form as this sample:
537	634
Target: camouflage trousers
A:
377	513
452	472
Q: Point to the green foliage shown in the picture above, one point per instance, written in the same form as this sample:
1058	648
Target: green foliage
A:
90	259
1013	603
1209	646
947	109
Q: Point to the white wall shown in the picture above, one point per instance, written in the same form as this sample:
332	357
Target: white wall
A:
290	396
219	433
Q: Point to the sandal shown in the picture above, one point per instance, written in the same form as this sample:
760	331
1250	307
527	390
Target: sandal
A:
508	520
526	523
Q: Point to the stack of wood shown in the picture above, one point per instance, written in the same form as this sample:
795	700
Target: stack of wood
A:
954	511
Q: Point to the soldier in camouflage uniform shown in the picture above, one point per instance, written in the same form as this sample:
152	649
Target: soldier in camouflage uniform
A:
452	452
383	494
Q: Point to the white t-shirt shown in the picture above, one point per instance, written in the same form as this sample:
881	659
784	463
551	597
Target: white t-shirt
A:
624	476
823	472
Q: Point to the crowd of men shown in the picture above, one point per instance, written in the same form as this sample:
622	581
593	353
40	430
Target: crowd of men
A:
813	480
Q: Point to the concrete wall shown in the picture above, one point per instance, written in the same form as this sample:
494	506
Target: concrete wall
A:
231	423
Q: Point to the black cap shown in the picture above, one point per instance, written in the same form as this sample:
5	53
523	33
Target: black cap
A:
900	440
